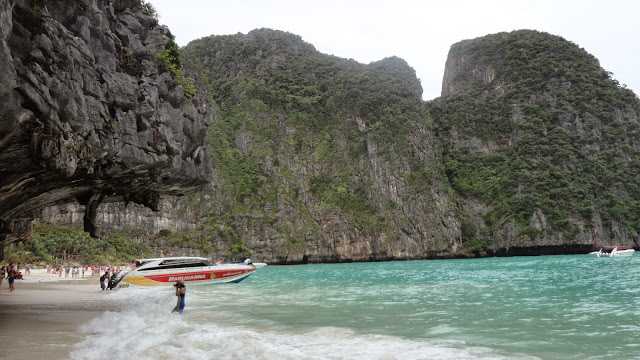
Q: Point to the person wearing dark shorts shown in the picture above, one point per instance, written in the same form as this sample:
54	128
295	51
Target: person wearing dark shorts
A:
103	279
181	291
12	278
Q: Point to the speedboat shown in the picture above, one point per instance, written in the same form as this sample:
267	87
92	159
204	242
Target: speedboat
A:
191	270
610	251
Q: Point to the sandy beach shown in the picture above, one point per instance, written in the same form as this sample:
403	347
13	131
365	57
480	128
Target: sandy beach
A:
40	319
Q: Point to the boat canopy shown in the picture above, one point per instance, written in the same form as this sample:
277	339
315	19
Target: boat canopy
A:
172	258
171	262
608	249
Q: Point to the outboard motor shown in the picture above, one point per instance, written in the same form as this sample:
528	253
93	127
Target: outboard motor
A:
114	280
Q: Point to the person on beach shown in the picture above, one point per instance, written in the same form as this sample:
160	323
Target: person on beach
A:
104	278
12	277
181	291
3	273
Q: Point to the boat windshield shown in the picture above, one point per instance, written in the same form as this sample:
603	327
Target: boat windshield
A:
178	264
608	249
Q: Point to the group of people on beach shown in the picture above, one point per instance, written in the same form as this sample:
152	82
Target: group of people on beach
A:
77	271
10	271
67	269
107	280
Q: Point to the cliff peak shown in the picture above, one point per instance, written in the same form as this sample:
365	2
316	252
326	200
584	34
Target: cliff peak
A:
500	61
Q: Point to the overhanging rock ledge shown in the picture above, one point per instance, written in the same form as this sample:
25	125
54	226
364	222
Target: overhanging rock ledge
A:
90	112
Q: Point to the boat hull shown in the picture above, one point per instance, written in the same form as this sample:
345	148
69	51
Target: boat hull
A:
198	276
628	252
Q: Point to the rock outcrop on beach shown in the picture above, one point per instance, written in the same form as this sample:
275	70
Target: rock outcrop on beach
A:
94	110
531	149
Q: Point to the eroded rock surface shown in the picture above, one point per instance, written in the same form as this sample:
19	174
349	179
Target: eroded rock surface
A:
90	112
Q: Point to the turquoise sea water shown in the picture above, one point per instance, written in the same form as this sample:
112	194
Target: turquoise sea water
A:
546	307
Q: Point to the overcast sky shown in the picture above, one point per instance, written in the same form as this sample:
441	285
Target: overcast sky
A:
420	32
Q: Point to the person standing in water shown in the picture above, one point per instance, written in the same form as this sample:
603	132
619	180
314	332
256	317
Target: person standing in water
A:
103	279
181	291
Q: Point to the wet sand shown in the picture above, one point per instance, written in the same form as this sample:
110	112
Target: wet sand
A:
41	318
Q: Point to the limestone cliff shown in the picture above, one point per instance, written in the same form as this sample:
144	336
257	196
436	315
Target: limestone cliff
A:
532	149
540	144
344	168
91	112
321	159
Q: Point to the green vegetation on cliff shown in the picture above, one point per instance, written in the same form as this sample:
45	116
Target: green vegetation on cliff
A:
550	131
281	103
314	90
171	60
531	127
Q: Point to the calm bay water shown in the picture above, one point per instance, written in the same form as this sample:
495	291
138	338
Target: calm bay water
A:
547	307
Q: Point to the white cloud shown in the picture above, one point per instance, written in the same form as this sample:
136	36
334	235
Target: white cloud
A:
420	32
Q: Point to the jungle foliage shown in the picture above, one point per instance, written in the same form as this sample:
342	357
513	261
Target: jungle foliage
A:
55	245
311	89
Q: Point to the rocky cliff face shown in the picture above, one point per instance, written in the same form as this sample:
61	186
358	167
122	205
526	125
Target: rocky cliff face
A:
135	219
90	112
327	181
532	149
539	145
334	156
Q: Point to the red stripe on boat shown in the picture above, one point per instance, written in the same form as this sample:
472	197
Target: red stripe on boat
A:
198	276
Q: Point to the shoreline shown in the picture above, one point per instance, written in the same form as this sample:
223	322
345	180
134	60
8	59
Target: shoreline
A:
41	318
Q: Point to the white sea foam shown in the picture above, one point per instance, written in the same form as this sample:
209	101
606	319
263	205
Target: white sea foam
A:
146	329
178	338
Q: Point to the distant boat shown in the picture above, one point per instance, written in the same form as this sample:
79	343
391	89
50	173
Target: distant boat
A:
191	270
612	251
